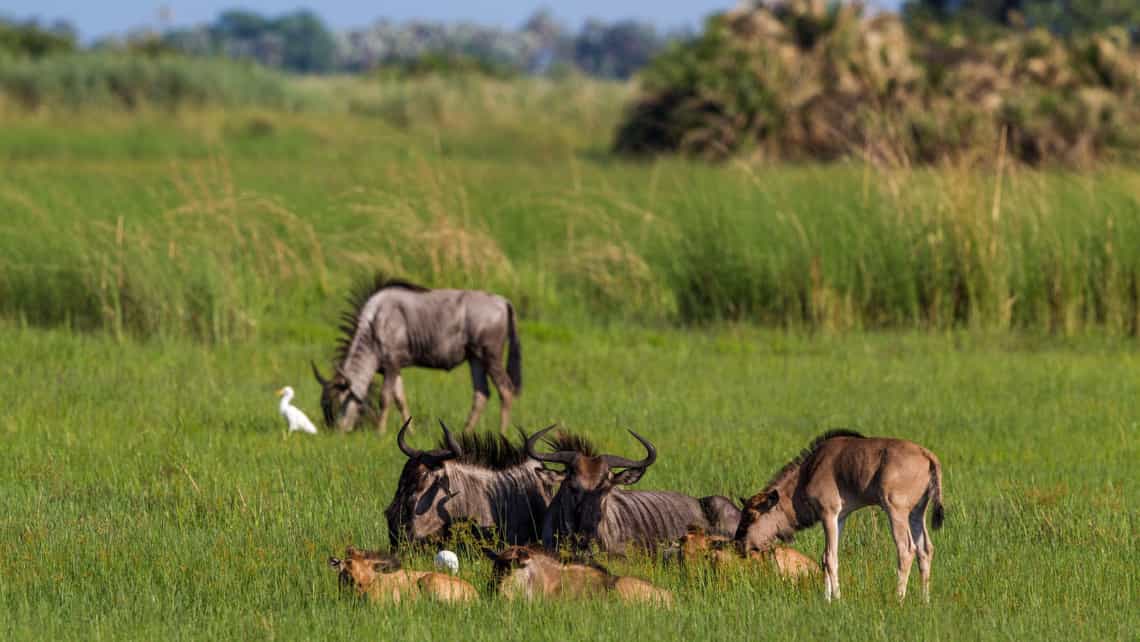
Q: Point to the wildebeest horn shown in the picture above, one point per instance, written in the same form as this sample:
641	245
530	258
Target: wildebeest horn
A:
621	462
450	440
560	457
412	453
317	373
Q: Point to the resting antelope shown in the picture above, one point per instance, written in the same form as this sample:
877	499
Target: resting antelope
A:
379	577
696	546
839	473
526	573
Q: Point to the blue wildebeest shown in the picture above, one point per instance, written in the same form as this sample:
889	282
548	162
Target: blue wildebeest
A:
591	508
482	479
396	325
839	473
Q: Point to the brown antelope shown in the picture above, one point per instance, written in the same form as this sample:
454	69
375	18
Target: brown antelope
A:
379	577
527	573
721	552
839	473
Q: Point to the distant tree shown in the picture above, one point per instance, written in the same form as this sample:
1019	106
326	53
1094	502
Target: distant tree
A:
615	50
307	45
29	39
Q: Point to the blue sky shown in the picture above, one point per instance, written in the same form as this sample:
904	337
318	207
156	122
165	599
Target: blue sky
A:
100	18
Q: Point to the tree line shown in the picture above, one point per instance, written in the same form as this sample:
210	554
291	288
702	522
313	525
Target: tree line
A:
301	42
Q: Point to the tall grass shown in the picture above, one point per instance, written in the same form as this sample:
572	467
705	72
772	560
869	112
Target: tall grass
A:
226	225
132	82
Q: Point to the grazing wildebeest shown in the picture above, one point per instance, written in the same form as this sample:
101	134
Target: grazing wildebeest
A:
696	547
396	325
589	507
839	473
379	577
483	479
525	573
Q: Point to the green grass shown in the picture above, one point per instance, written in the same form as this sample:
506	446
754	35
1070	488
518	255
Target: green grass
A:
162	274
148	491
220	225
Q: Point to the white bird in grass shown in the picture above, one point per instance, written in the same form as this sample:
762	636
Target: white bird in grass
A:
294	417
447	560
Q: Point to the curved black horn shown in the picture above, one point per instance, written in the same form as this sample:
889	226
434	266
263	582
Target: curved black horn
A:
317	373
448	439
621	462
560	457
412	453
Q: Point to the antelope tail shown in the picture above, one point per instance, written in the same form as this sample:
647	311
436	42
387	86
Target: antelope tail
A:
514	359
939	514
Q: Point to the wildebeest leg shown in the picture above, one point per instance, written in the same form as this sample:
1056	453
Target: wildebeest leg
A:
831	556
401	400
506	394
923	547
387	392
900	529
482	391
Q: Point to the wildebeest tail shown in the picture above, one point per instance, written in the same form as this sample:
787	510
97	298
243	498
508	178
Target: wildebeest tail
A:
939	514
514	359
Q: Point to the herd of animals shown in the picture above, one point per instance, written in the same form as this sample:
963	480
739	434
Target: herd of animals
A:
555	502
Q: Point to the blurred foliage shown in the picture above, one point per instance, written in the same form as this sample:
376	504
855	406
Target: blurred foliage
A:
30	40
300	42
804	79
130	82
1059	16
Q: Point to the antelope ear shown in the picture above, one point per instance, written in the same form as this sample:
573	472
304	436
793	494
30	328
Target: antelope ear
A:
628	477
334	562
770	500
523	555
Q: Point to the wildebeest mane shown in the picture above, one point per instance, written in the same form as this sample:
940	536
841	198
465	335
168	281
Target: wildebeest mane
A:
495	452
799	459
563	440
359	295
488	450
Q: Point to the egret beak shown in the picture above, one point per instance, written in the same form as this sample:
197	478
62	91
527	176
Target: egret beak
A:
280	392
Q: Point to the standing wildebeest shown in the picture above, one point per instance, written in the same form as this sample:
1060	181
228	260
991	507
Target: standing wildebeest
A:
523	573
483	479
396	325
589	506
841	472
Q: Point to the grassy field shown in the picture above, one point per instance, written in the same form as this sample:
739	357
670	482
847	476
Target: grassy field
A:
161	274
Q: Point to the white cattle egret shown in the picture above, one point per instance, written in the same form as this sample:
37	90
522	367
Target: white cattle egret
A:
294	417
448	560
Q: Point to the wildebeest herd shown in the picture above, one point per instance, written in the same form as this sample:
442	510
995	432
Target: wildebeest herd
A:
555	503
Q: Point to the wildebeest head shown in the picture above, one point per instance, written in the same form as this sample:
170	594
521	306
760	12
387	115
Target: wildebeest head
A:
419	508
764	521
358	569
340	406
577	508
